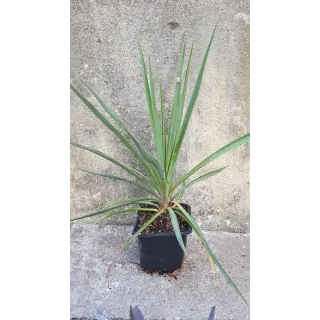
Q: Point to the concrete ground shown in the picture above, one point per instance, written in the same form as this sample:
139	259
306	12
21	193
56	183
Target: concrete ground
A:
105	283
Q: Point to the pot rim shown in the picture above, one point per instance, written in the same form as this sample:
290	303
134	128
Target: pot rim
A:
162	234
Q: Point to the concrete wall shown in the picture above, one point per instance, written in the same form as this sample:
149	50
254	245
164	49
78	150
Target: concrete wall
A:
104	52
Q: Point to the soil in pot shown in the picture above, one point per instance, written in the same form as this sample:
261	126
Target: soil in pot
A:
161	225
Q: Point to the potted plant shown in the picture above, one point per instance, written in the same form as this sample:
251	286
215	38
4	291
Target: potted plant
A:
163	222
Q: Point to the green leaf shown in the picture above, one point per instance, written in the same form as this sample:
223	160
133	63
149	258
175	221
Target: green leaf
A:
158	136
133	201
163	128
132	171
151	107
201	178
175	224
174	129
147	155
154	122
146	86
155	216
110	176
231	146
124	211
107	123
115	205
140	157
198	232
185	86
191	104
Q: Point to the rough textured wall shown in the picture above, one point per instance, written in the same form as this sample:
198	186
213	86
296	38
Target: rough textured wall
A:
104	52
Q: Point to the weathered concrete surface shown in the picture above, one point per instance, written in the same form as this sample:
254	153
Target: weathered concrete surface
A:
189	297
104	52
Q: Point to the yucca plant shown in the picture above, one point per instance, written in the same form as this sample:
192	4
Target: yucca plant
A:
157	177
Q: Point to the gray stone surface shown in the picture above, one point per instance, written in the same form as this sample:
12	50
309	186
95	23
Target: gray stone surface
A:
104	52
100	292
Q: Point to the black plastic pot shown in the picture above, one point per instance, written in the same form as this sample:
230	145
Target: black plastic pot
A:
161	251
